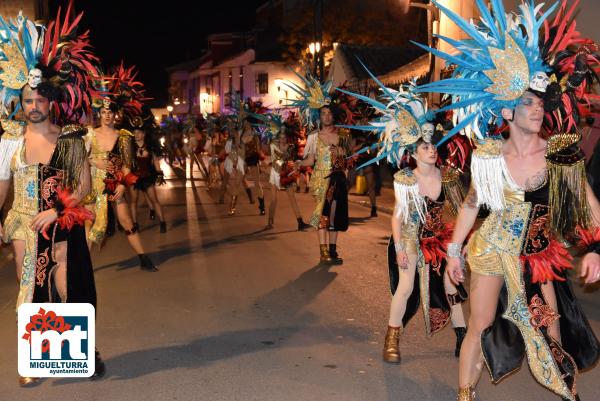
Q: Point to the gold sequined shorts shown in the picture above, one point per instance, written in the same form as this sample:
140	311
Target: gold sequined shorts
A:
410	242
16	226
482	257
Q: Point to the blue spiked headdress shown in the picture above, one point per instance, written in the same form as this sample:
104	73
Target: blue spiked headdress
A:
401	121
269	125
495	67
311	98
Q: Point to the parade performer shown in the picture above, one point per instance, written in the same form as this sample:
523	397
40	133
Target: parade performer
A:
326	149
195	129
213	148
48	77
234	167
147	151
111	156
283	175
416	251
535	190
252	157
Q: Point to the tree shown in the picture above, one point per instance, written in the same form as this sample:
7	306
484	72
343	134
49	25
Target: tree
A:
374	22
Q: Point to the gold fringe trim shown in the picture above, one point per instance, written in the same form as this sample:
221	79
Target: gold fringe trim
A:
568	208
70	155
126	148
453	189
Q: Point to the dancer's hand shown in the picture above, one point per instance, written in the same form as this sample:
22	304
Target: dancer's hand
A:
402	260
455	270
1	232
119	192
590	268
43	220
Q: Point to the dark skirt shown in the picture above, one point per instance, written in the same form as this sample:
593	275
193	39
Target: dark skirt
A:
439	302
503	346
334	216
252	159
143	183
81	287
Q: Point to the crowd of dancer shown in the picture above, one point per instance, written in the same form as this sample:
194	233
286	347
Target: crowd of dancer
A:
81	146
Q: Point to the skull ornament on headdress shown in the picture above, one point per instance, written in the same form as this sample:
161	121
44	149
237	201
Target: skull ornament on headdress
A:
403	120
52	57
34	78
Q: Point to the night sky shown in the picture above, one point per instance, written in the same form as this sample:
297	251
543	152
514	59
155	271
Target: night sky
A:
155	37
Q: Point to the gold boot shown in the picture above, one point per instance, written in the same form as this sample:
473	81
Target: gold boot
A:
232	206
466	393
391	346
28	381
325	258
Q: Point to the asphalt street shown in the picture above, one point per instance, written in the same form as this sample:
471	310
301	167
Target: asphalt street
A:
238	312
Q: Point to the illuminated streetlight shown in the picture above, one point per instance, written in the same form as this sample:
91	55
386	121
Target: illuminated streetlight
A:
170	108
314	47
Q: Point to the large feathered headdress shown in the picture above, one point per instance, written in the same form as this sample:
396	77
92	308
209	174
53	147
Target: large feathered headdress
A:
123	92
55	60
402	120
310	99
508	55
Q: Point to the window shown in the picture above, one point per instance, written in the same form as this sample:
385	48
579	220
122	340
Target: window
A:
262	83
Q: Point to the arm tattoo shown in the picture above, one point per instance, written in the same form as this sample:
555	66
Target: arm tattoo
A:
536	181
471	199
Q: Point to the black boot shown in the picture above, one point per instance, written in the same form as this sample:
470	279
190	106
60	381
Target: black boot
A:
146	264
261	206
100	367
335	259
163	227
373	211
152	214
250	198
460	336
302	225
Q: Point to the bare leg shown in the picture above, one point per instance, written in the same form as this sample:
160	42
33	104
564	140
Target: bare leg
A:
133	203
273	205
154	202
125	221
405	288
261	193
88	227
224	183
550	298
323	237
292	197
456	311
19	250
333	237
60	271
485	291
332	216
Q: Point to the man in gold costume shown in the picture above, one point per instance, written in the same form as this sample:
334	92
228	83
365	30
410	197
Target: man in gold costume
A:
534	188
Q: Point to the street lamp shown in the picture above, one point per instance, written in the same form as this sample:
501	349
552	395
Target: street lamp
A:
170	108
314	47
